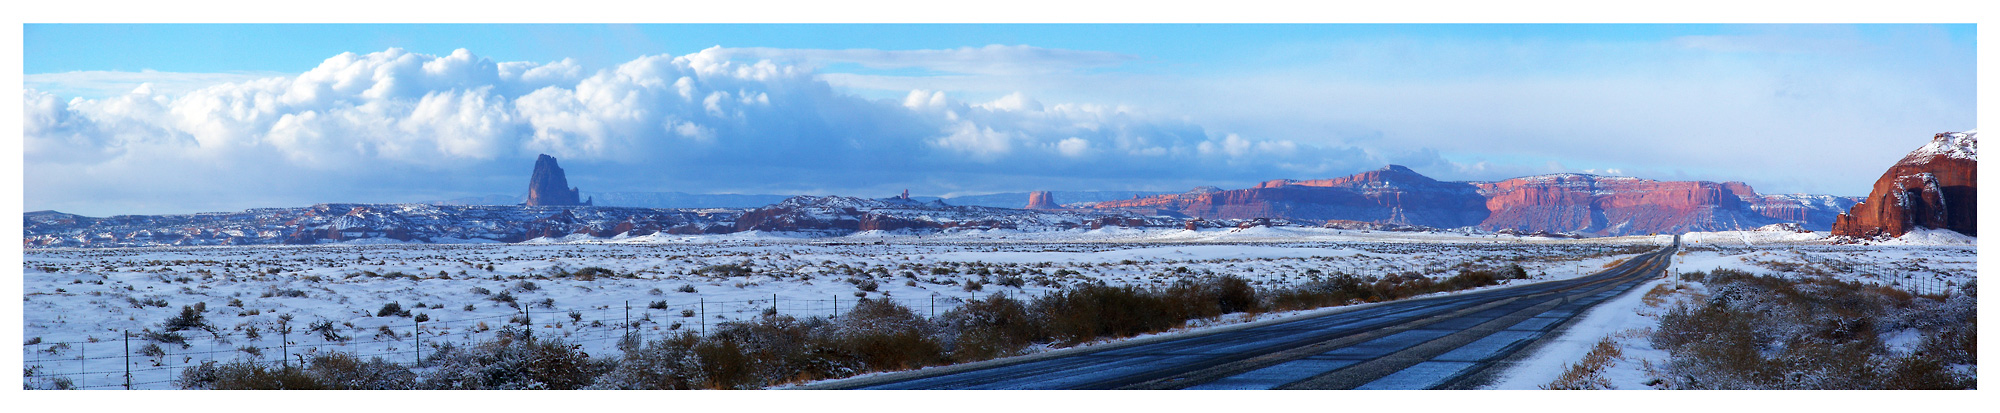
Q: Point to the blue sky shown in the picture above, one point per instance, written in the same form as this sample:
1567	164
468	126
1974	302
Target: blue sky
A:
295	114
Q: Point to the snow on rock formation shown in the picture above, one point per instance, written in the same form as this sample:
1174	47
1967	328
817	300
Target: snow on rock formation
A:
1932	187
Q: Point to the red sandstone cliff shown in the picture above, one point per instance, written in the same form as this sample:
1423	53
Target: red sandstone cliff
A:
1571	203
1609	205
1393	194
1932	187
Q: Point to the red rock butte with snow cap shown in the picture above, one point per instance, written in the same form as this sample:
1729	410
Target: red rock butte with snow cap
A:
1932	187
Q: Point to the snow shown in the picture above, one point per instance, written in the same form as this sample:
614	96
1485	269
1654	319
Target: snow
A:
1929	236
81	304
81	300
1763	235
1903	341
1956	145
1612	317
1628	319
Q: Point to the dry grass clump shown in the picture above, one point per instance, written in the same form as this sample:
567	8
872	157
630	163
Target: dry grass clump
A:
1588	374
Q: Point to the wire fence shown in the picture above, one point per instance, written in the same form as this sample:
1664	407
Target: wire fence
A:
1924	284
152	359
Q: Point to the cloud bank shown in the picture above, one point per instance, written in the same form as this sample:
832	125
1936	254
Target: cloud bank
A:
395	126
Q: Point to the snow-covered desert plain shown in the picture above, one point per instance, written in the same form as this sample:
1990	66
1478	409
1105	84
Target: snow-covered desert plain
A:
275	303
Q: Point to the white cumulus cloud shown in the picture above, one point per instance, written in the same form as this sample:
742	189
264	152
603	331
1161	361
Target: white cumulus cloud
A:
394	126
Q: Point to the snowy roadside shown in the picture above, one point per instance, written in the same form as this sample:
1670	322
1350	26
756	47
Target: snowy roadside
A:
1623	319
1925	262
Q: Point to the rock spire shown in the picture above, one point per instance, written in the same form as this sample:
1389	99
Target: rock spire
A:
548	187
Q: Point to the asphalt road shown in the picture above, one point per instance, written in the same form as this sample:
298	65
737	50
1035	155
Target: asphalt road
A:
1450	342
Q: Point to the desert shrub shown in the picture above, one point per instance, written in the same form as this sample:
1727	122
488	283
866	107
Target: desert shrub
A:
724	270
392	309
346	372
772	350
525	286
190	318
724	366
481	291
503	297
1089	311
165	337
666	364
996	326
1470	278
509	362
245	375
686	288
592	273
147	302
657	305
326	330
1234	295
884	335
867	285
152	350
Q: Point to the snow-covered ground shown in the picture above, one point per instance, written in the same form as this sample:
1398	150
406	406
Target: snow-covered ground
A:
1927	262
79	302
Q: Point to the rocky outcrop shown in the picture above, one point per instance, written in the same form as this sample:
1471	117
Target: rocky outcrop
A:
1811	212
1545	204
837	215
548	187
1042	200
1393	194
1932	187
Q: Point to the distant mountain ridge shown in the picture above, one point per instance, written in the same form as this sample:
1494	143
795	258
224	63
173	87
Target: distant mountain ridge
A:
328	223
687	200
1555	203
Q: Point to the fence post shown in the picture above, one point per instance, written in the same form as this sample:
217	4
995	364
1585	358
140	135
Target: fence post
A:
285	345
128	359
933	306
774	304
529	320
836	306
628	319
419	332
704	315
